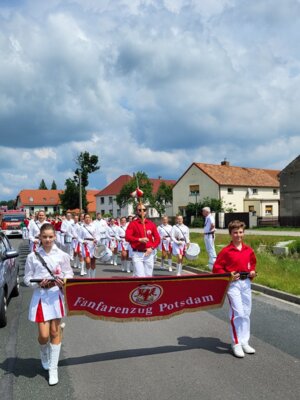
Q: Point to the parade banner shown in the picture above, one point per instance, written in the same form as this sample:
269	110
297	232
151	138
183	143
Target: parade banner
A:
140	299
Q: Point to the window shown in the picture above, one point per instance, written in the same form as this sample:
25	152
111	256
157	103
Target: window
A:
102	212
269	210
229	190
251	208
46	209
101	200
254	191
194	190
110	200
275	191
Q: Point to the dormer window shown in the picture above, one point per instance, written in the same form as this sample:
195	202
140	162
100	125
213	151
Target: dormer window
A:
229	190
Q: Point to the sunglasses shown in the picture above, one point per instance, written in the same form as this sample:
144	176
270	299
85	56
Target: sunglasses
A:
142	209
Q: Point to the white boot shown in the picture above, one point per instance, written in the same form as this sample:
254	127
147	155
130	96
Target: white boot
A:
123	265
170	264
162	264
88	272
115	257
44	353
179	269
93	273
82	269
128	266
54	356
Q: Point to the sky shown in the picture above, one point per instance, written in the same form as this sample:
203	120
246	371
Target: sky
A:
146	85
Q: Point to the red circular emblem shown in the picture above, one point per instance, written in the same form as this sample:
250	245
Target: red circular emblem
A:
144	295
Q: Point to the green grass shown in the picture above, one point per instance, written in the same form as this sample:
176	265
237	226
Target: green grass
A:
277	272
277	228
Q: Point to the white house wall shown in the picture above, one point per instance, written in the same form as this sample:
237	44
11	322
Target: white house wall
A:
181	191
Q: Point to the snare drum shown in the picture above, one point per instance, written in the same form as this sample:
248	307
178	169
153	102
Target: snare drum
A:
192	252
102	253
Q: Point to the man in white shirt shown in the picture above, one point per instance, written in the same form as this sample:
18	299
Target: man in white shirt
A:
209	236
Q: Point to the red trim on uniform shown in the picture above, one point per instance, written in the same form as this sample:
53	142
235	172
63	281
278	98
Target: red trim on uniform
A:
78	248
61	307
39	316
87	251
236	340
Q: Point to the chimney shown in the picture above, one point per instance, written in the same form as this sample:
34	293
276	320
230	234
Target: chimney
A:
225	162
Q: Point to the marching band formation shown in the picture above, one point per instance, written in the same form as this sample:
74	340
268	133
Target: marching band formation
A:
86	240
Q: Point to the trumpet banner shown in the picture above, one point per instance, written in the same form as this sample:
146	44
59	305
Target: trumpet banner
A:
140	299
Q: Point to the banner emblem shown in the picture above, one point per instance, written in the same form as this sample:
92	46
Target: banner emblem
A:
144	295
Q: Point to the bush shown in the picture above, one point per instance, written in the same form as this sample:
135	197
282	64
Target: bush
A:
294	247
197	223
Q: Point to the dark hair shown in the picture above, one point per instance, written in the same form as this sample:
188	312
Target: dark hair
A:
46	227
236	224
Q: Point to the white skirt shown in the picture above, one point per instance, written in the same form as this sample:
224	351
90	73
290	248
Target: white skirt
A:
51	301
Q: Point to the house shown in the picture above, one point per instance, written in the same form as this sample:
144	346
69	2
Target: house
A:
290	191
32	200
241	189
106	198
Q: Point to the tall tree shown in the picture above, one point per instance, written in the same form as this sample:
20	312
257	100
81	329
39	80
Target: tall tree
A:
141	180
53	186
162	198
86	165
43	185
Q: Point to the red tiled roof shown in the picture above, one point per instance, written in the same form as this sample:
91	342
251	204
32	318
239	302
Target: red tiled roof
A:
115	187
37	197
29	197
238	176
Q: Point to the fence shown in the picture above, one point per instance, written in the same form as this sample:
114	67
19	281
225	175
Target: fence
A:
290	221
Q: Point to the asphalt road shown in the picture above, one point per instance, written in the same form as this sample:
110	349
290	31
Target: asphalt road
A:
185	357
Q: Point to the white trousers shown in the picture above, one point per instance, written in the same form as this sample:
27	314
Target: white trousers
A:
240	301
209	242
142	265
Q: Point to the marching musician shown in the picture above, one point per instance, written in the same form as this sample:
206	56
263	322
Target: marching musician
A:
180	236
123	246
209	236
47	303
102	227
34	229
238	259
143	237
165	246
112	242
67	227
89	237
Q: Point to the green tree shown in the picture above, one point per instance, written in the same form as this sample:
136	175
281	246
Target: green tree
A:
86	165
163	197
11	204
43	185
141	180
53	186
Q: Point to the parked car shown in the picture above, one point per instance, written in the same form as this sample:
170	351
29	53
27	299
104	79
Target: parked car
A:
9	276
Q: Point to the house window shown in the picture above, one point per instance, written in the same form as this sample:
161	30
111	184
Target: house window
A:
269	210
46	209
111	212
102	212
194	190
254	191
101	200
110	200
275	191
251	208
229	190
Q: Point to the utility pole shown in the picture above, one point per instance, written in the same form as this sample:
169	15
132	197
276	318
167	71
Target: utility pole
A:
80	192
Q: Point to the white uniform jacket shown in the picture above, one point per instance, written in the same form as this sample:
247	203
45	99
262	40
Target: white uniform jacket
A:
165	232
51	299
89	236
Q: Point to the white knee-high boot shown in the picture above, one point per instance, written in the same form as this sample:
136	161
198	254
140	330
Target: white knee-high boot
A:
123	265
170	264
54	356
93	273
115	257
179	269
128	266
44	353
82	269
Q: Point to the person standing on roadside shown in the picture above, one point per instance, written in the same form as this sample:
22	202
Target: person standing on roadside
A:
143	237
209	236
240	260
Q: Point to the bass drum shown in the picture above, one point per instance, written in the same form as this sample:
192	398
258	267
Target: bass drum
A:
102	253
192	252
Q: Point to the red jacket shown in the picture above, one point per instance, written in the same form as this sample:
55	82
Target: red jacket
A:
137	230
231	259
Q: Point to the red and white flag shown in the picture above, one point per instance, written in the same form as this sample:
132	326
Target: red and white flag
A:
137	193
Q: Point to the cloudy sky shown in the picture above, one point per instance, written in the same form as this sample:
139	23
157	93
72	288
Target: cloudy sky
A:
146	85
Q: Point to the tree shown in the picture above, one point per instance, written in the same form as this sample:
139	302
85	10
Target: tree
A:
53	186
141	180
11	204
192	209
163	197
70	198
43	185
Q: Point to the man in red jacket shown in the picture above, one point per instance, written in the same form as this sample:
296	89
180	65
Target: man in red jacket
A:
143	236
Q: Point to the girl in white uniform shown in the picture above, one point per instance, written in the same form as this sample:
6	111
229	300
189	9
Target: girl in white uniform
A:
89	236
180	236
47	303
111	233
165	246
123	246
